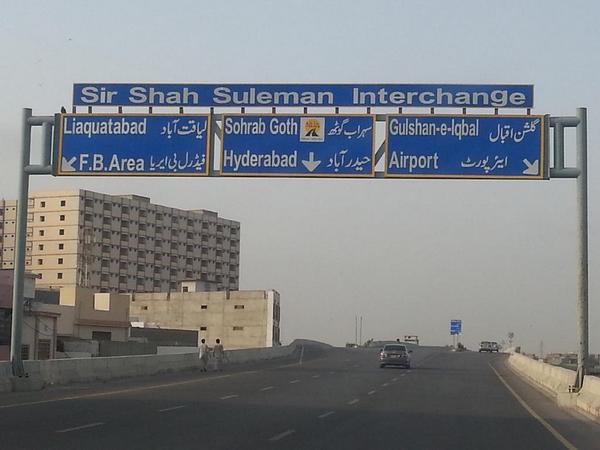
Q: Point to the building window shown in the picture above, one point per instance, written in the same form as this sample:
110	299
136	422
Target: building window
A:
204	307
62	217
42	218
238	307
185	289
61	232
42	204
40	261
60	260
238	328
101	335
144	308
63	203
41	232
202	328
25	352
59	275
41	247
61	246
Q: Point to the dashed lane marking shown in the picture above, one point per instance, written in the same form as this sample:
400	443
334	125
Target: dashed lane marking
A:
353	402
371	392
172	408
267	388
82	427
227	397
327	414
294	381
280	436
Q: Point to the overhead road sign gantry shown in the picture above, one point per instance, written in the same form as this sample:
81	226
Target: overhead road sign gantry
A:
297	145
431	95
465	146
133	144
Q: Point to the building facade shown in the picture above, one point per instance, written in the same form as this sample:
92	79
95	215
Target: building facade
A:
241	319
112	243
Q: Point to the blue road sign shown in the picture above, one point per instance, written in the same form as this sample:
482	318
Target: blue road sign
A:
297	145
455	327
133	144
261	94
453	146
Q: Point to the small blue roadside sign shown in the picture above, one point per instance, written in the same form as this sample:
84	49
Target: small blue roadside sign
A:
133	144
296	145
455	327
461	146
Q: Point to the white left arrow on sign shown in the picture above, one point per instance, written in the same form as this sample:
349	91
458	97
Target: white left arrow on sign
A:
67	164
311	164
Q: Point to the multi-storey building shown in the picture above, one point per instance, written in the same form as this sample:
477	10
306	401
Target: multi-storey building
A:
114	243
240	319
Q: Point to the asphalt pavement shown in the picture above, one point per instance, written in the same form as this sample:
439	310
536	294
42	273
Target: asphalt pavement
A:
332	399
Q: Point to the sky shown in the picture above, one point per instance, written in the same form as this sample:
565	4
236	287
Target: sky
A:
406	255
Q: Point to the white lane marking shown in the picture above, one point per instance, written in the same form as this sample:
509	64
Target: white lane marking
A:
327	414
395	379
280	436
316	376
121	391
267	388
408	371
294	381
172	408
559	437
371	392
227	397
353	402
82	427
385	384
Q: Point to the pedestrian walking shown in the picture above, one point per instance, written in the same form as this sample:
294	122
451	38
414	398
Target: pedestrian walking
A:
204	354
219	354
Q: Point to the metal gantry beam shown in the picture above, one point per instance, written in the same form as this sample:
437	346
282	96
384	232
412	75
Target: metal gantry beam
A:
557	171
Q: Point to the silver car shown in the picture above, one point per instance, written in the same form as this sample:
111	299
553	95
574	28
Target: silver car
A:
395	355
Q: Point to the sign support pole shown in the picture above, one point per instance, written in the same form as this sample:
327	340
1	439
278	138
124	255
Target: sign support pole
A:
20	250
580	173
26	169
582	247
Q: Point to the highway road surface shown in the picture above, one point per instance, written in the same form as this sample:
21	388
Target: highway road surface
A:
332	399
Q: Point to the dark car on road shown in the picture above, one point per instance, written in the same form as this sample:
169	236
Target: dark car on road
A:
394	355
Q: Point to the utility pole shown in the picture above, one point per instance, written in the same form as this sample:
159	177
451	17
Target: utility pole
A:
355	330
360	334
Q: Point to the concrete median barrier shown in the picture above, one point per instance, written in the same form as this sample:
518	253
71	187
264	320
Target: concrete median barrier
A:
81	370
588	398
557	381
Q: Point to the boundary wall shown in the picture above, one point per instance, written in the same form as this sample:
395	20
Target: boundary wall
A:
76	370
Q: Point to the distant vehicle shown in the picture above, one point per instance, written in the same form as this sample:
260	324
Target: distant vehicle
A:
411	339
394	355
489	346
